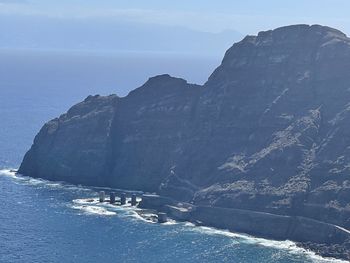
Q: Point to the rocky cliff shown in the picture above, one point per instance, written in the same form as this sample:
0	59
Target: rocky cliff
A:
269	131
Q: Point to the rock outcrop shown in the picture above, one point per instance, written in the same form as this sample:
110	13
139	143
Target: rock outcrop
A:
74	147
269	131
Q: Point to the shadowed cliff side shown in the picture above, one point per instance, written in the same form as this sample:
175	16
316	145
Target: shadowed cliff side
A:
73	147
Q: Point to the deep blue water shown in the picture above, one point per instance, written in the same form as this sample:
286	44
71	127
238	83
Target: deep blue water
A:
43	221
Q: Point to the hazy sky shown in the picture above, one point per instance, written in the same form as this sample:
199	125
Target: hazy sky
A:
247	17
179	26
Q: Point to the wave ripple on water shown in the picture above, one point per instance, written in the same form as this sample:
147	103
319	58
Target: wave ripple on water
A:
79	201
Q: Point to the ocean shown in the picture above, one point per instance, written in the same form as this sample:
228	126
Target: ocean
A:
43	221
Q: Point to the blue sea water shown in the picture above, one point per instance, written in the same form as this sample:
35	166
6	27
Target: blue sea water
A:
42	221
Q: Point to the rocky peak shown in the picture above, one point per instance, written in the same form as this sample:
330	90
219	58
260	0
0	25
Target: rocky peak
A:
291	35
296	47
160	84
164	80
298	33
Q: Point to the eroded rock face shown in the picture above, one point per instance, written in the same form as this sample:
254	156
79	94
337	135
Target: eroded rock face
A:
74	146
150	129
283	97
269	131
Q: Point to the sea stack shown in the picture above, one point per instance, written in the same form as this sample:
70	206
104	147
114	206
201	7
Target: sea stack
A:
112	197
123	199
133	200
102	196
162	217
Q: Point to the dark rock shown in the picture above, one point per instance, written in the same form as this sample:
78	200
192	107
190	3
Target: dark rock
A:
162	217
269	131
133	200
123	199
112	197
74	146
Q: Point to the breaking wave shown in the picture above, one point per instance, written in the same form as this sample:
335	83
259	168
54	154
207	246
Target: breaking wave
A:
91	206
95	210
287	245
42	183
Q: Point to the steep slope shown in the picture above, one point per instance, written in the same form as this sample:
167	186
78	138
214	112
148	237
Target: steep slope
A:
283	98
150	126
268	132
74	147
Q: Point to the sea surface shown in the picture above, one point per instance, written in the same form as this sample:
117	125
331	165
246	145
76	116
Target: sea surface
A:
43	221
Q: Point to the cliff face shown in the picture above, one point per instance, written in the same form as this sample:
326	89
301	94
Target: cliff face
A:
149	128
281	103
74	146
269	131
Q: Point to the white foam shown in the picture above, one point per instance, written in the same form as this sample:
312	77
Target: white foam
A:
8	172
33	181
26	180
143	218
107	208
93	207
189	224
86	201
146	217
287	245
96	210
170	222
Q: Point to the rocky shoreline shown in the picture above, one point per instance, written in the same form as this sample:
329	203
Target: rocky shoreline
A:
324	239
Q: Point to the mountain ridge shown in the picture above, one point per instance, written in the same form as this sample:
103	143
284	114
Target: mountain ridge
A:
267	132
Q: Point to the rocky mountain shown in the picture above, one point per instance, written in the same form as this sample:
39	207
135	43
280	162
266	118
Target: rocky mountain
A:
269	131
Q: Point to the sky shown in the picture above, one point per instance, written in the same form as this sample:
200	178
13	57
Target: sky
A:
247	17
22	21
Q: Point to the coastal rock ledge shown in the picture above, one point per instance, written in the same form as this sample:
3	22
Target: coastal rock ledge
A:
266	137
